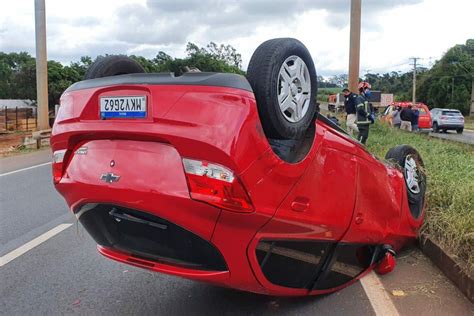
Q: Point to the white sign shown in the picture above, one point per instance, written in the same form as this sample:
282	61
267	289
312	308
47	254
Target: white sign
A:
386	99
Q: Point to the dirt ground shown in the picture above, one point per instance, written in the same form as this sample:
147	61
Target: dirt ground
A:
11	143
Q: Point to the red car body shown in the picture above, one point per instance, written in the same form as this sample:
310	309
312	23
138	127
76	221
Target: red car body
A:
304	223
424	118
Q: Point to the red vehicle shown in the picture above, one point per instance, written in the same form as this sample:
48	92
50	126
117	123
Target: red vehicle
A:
424	118
229	180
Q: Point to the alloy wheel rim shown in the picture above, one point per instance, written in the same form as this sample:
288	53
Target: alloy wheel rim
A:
294	89
412	178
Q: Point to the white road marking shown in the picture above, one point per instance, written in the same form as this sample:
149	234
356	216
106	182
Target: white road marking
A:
23	169
32	244
378	297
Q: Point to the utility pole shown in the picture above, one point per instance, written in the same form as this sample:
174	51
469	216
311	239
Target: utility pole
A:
354	49
41	65
414	79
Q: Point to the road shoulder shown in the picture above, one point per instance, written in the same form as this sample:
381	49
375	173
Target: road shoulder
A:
417	287
12	163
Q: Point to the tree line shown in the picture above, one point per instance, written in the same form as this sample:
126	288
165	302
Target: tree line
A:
446	84
18	70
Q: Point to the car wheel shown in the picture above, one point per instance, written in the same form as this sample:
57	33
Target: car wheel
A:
435	127
283	78
459	130
409	160
112	66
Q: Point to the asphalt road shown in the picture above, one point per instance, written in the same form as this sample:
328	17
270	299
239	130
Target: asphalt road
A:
466	137
65	274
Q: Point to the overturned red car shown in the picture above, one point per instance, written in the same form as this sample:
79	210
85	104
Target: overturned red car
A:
232	180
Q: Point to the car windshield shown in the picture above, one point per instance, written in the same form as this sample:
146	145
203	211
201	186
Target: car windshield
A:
451	113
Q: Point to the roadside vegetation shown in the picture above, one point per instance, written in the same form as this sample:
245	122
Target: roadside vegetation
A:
18	74
324	93
450	195
469	122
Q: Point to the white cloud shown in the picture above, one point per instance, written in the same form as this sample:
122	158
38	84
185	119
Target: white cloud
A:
392	31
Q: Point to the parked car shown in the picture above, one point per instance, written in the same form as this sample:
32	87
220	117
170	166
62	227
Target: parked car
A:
447	119
230	180
424	118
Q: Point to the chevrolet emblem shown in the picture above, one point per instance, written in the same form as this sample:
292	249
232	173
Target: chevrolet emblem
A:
109	177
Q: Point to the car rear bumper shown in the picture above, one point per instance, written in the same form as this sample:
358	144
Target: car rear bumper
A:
450	126
425	130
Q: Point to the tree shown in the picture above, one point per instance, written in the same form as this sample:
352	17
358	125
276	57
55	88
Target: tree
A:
449	82
81	66
339	80
18	70
17	76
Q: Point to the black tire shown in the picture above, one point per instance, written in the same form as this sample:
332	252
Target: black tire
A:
112	66
435	127
398	155
263	74
460	130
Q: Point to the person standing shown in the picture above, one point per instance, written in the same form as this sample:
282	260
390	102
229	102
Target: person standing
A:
396	120
364	117
407	117
350	104
414	122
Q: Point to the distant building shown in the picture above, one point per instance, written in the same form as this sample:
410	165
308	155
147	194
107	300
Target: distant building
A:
21	104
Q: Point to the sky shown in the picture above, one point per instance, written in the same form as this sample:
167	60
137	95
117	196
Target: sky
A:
392	30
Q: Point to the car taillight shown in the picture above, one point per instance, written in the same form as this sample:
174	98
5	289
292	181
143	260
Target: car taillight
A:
217	185
443	117
65	110
58	158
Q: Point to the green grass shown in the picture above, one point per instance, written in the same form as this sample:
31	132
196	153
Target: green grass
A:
450	195
324	93
469	122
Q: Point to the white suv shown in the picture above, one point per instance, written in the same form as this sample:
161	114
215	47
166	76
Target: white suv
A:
447	119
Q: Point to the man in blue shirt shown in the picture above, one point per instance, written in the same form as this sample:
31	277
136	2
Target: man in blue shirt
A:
350	104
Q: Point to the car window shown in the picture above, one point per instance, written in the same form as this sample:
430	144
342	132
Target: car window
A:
451	113
423	111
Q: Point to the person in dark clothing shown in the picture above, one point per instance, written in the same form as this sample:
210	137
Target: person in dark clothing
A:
364	117
414	122
350	104
407	116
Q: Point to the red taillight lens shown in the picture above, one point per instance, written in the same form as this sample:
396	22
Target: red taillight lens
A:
216	185
58	158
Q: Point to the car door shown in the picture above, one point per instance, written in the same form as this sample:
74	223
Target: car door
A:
300	239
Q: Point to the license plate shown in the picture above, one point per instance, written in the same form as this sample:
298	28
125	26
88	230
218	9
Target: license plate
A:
123	107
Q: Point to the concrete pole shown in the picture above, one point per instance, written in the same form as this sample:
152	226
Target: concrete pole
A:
354	49
41	65
414	81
